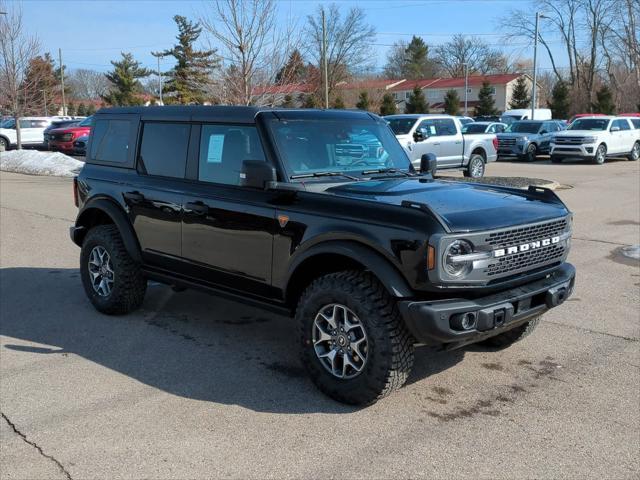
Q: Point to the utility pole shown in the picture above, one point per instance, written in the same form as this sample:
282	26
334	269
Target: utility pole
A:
324	61
160	81
466	87
535	69
64	104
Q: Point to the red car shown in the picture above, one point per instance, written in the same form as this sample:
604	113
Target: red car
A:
61	139
580	115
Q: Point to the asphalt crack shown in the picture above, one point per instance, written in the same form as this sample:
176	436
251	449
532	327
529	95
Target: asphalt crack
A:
38	214
36	446
595	332
595	240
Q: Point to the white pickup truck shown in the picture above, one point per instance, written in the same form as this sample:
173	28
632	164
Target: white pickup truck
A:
442	136
596	138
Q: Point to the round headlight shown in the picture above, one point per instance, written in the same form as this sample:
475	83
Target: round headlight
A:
458	269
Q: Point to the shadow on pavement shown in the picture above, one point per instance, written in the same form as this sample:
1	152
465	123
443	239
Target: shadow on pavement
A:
188	344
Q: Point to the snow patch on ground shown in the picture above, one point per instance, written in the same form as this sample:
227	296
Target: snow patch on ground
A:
34	162
632	251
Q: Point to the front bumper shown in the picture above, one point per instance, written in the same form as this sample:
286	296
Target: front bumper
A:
515	150
582	150
61	146
434	322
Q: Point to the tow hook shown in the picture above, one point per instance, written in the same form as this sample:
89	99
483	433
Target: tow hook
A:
557	295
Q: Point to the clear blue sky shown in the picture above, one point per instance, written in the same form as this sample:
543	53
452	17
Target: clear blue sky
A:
93	32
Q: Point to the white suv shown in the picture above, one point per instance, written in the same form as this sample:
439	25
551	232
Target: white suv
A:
596	138
31	131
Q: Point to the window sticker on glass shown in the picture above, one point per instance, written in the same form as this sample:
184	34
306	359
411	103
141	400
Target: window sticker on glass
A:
214	153
432	130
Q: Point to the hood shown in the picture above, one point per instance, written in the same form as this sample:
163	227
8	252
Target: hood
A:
75	129
515	135
574	133
462	207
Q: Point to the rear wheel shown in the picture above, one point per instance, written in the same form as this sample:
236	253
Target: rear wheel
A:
353	341
476	166
601	154
635	152
514	335
112	280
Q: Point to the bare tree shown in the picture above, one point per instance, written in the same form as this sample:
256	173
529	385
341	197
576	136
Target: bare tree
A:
396	59
348	42
254	48
17	49
479	57
87	84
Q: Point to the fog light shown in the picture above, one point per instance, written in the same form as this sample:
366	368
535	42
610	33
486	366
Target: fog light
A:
589	149
464	321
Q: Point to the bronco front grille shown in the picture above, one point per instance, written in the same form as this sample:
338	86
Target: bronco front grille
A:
525	260
526	234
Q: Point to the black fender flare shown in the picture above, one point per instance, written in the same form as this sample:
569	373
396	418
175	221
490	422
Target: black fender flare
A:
381	267
120	219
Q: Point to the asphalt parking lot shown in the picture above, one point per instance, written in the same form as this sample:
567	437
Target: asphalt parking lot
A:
193	386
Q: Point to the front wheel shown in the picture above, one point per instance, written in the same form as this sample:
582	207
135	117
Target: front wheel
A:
512	336
475	169
353	341
112	280
4	144
532	152
635	152
601	154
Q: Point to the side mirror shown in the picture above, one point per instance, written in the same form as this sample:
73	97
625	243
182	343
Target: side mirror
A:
428	163
419	136
615	129
257	174
543	132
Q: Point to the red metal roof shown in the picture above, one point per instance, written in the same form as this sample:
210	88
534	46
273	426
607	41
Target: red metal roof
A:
473	80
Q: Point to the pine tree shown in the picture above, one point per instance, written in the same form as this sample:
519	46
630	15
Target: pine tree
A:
287	102
452	102
338	103
416	102
560	102
294	70
363	101
82	110
91	109
39	83
388	106
125	79
71	109
486	103
189	79
416	62
308	101
604	101
520	96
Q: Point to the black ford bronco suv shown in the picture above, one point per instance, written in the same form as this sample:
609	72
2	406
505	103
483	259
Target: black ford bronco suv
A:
321	216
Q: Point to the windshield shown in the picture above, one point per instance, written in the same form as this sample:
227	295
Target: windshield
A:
524	127
314	146
509	119
465	121
589	124
402	125
87	122
474	128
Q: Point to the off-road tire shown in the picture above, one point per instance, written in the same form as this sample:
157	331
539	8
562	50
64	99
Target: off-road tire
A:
129	284
476	167
635	152
390	345
512	336
556	159
598	158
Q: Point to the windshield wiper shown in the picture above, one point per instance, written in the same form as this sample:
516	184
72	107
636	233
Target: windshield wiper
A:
324	174
387	170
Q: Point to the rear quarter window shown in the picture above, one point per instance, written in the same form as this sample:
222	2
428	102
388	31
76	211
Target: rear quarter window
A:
112	142
636	123
163	149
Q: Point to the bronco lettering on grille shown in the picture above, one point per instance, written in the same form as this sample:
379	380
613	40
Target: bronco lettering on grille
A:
501	252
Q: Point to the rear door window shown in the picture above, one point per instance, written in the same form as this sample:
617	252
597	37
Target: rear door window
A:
163	150
622	124
111	141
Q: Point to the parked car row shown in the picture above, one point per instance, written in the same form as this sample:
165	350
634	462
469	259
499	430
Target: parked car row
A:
51	133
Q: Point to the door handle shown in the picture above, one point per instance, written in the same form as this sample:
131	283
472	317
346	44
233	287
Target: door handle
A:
134	197
198	207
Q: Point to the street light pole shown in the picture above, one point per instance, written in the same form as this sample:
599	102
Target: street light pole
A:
535	64
324	61
46	111
466	87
